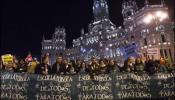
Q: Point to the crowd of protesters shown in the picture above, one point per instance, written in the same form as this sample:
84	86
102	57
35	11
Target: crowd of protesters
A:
94	67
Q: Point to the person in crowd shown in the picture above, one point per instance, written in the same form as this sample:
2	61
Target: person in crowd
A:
21	67
15	62
67	67
129	65
43	68
93	66
1	65
78	65
73	64
9	67
150	66
162	68
102	67
106	61
57	67
72	70
32	66
139	65
83	68
112	67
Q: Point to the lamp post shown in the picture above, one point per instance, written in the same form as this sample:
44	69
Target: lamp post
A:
157	16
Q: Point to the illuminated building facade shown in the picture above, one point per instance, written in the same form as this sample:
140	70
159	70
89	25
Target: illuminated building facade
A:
147	32
55	46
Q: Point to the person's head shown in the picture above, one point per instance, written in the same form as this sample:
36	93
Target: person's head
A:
21	61
93	60
78	61
131	60
35	59
111	62
106	61
138	61
101	62
45	60
59	60
162	61
83	65
65	61
15	60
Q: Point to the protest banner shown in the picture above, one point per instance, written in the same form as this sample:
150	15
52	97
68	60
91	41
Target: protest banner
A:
7	58
118	86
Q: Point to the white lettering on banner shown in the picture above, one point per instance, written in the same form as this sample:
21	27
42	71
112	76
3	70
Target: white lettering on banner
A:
55	78
15	77
132	76
13	96
95	97
96	78
133	94
52	97
96	88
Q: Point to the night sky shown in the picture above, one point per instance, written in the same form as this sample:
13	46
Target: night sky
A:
23	22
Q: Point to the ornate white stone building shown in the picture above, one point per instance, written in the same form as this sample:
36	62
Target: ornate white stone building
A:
56	45
147	32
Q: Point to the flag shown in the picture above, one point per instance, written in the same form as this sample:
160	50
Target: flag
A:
29	58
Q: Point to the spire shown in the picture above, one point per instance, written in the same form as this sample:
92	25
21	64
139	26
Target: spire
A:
146	3
163	2
82	31
124	4
43	37
100	9
134	5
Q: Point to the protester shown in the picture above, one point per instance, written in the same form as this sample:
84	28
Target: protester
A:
112	67
77	65
21	67
139	66
10	67
102	67
57	67
83	68
129	65
43	68
162	66
67	67
94	67
150	66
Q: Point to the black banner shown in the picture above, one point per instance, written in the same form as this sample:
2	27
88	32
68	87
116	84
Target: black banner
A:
21	86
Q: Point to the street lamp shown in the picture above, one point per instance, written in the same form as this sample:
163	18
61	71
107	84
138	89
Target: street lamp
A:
148	19
158	15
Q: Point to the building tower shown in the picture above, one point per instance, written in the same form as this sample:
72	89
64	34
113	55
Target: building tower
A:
129	9
100	10
55	46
